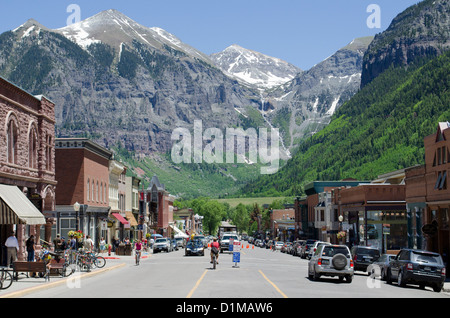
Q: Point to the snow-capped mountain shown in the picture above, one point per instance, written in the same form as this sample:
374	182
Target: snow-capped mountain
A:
254	68
113	28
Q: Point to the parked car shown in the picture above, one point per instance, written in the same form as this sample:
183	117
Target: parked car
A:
162	244
278	245
296	247
331	260
417	267
314	247
194	247
306	247
363	256
180	242
286	246
380	266
174	245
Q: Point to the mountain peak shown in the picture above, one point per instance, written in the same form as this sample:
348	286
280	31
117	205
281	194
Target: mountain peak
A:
254	68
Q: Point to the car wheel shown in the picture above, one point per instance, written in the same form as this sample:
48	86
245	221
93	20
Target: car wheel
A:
400	280
349	278
437	288
388	277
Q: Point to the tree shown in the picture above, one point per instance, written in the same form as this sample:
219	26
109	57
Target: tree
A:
241	218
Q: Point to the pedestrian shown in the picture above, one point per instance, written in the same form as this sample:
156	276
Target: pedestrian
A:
30	249
12	246
88	244
102	245
63	244
57	243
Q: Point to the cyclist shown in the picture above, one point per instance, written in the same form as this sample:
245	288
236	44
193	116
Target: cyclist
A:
138	250
215	247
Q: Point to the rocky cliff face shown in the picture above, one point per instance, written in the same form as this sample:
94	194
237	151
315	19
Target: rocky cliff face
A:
130	84
422	30
305	105
114	80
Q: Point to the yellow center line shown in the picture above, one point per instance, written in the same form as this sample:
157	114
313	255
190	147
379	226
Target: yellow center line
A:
196	285
274	286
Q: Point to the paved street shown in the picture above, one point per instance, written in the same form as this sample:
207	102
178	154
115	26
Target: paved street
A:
261	274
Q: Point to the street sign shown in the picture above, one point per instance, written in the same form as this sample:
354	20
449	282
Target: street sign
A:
236	253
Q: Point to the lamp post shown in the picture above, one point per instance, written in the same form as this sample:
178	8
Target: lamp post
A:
76	207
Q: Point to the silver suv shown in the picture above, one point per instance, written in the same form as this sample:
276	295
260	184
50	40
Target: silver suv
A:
331	260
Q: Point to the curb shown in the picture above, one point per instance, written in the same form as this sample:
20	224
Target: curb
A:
48	285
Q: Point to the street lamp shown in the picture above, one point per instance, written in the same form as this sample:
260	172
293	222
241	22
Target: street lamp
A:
76	207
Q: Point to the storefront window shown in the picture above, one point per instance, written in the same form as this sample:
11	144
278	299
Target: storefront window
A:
387	230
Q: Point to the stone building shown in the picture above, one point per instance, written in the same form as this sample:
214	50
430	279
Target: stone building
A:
27	161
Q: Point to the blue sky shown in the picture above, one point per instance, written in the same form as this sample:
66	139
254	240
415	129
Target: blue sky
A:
301	32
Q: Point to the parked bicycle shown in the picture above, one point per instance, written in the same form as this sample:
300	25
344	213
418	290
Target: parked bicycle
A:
6	279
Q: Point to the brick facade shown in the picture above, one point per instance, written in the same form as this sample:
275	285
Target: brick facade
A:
27	156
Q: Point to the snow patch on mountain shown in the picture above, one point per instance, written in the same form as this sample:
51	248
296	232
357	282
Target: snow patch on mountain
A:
254	68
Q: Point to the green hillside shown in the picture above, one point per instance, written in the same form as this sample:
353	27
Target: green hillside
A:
381	129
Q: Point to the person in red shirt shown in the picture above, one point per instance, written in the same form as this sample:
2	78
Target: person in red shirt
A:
138	250
215	248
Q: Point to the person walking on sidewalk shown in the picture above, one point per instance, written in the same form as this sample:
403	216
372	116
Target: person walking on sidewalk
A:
12	246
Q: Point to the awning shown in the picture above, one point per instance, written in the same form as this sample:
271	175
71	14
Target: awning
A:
16	208
130	217
120	218
179	232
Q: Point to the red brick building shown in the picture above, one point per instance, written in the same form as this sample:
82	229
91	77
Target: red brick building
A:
82	172
27	153
428	194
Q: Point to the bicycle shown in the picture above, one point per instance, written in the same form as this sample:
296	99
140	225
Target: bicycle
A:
6	279
138	256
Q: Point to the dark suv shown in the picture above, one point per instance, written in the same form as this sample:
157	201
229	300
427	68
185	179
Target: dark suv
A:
417	267
363	256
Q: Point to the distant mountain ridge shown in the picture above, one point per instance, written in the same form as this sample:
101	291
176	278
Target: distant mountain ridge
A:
254	68
128	86
405	94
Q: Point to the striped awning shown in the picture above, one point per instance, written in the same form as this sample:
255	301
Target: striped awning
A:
15	208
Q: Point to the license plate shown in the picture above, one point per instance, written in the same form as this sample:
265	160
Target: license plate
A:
428	269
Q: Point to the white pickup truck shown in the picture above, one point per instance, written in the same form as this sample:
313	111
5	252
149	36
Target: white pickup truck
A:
225	241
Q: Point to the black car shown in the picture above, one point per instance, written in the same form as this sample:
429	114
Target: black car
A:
417	267
363	256
194	247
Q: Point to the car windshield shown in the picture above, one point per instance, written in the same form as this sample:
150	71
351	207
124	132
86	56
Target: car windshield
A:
161	241
368	251
333	250
230	237
427	258
195	243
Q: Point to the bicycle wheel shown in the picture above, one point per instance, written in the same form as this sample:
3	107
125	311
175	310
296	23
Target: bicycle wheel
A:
214	262
6	279
100	261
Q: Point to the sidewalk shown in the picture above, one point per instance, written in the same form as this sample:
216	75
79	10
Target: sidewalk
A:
26	285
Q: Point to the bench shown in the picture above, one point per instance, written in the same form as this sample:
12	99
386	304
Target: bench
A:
30	267
57	265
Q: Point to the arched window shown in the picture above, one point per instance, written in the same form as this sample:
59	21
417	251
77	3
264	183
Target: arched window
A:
12	140
33	148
